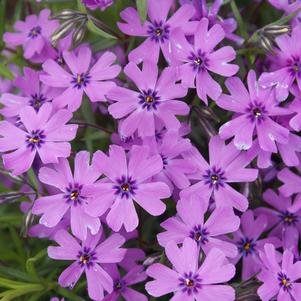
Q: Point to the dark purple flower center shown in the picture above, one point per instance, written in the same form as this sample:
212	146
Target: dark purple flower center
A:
148	99
199	234
73	194
35	139
214	177
198	61
119	285
246	246
294	65
158	31
288	218
125	187
190	283
284	282
256	111
86	257
81	80
37	100
164	161
34	32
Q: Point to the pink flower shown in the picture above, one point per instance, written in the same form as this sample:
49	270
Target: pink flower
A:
42	132
95	81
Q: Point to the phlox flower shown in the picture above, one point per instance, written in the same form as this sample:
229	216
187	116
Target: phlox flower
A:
128	179
33	33
88	257
95	81
281	282
101	4
288	69
157	30
196	62
190	222
226	165
71	195
256	110
122	283
42	132
284	219
210	12
189	281
249	242
155	101
32	93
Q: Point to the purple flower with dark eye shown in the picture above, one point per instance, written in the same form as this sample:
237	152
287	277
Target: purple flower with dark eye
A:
210	12
248	242
187	280
157	30
190	222
71	197
156	101
288	65
122	283
88	257
227	165
128	179
201	58
33	34
94	4
256	111
283	217
42	132
279	281
95	81
33	93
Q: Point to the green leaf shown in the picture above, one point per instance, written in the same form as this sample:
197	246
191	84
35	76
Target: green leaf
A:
33	179
11	272
81	7
2	18
142	9
284	20
21	291
5	72
238	17
30	268
93	28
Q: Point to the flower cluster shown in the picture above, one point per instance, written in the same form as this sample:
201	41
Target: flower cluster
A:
164	165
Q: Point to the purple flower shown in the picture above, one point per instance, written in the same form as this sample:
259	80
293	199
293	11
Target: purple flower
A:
122	283
248	242
255	108
227	165
33	93
229	25
71	197
88	257
154	102
95	81
281	282
44	133
94	4
187	280
295	107
33	34
128	179
157	30
288	65
284	219
190	222
198	59
175	167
